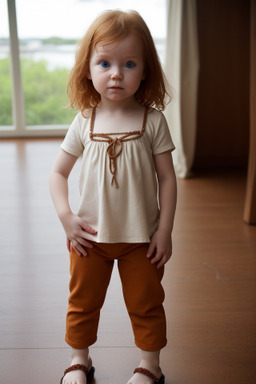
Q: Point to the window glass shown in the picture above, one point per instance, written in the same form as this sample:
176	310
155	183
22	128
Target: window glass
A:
5	76
48	32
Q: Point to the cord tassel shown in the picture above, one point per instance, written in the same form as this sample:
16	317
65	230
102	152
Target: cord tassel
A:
114	180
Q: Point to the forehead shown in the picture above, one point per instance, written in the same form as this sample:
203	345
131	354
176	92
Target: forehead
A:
130	45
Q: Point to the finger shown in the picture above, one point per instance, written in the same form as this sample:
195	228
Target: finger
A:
155	260
76	250
68	242
158	256
81	251
151	250
161	264
88	228
84	242
164	260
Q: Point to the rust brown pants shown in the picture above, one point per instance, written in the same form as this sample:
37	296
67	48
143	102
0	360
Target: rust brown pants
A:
142	290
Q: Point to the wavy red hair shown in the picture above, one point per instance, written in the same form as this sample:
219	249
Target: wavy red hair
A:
108	28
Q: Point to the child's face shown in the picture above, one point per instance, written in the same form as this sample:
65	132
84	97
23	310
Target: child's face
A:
116	70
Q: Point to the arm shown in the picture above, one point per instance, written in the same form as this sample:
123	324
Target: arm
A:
160	249
73	225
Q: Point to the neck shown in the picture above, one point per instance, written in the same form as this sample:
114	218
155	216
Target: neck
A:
106	105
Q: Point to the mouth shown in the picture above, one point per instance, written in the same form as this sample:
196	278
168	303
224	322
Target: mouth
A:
116	87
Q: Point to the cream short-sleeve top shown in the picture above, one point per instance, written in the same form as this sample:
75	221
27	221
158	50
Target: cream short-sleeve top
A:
118	184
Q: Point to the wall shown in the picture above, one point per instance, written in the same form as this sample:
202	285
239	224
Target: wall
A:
223	93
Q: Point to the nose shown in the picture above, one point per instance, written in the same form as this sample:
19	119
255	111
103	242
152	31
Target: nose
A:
117	73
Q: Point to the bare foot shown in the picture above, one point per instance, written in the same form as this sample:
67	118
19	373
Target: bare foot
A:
75	377
78	376
139	378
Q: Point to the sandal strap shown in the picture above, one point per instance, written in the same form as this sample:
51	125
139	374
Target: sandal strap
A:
146	372
76	367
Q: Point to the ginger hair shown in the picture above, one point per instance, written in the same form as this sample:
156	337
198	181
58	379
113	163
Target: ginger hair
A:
108	28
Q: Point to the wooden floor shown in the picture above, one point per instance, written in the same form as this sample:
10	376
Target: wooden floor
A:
210	282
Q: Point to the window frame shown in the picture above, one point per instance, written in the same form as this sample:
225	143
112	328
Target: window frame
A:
19	127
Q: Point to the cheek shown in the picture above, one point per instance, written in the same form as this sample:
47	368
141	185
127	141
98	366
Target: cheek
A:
98	82
95	74
140	77
89	73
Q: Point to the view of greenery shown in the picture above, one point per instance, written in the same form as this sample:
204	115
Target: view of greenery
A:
5	93
58	41
44	86
44	91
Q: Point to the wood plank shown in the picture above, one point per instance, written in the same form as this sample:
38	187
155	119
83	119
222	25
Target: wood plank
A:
210	282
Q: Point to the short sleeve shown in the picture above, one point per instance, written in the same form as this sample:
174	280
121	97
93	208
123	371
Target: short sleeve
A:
73	142
162	140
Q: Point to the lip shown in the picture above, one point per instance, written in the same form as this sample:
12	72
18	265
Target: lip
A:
115	87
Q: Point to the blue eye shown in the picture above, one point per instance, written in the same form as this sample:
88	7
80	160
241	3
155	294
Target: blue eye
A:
105	64
130	64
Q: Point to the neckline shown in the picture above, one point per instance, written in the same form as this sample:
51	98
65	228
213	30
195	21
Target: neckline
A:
124	136
115	144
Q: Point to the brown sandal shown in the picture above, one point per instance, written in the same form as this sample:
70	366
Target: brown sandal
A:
146	372
80	367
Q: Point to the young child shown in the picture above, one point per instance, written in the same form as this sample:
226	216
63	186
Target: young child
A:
127	186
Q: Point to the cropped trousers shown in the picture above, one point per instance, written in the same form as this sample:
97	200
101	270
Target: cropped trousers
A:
142	290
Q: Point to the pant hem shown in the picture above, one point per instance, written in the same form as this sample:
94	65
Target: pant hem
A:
83	345
151	348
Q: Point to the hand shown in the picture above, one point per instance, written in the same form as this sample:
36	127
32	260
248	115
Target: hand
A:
70	246
76	230
160	248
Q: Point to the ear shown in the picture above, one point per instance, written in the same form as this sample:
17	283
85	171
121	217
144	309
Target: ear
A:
88	75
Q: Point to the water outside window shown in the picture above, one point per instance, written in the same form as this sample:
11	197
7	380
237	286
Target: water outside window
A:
48	33
5	76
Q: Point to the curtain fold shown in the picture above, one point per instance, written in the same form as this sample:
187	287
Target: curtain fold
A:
181	68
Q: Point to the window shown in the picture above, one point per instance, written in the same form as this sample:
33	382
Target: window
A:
5	76
43	37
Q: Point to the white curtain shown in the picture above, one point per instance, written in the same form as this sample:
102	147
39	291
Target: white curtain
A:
182	67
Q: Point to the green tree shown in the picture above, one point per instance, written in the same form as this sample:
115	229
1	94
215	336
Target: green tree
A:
5	93
44	92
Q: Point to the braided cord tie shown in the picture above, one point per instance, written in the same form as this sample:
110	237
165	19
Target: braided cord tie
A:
114	150
115	145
